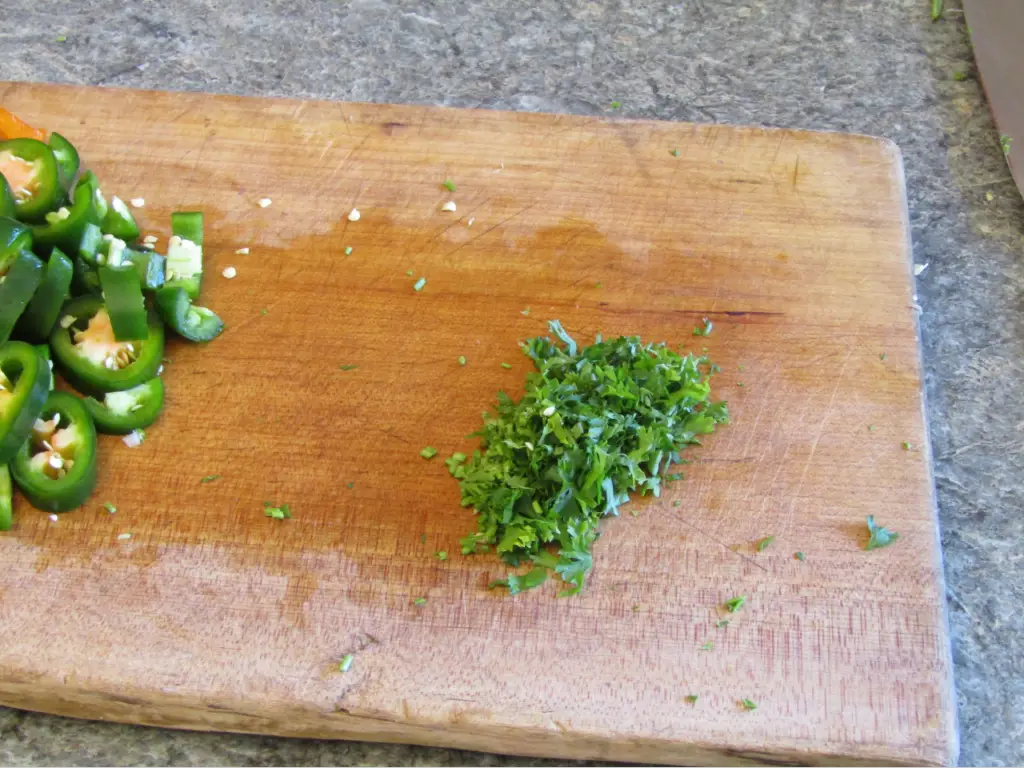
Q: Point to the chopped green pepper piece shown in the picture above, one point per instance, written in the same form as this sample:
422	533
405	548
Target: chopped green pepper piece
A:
122	412
6	199
6	500
31	169
90	243
185	253
15	237
66	156
197	324
85	350
43	310
86	279
69	228
119	221
429	452
56	467
150	266
122	290
17	288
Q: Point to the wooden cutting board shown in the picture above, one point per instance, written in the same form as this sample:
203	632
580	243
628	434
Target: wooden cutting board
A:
213	616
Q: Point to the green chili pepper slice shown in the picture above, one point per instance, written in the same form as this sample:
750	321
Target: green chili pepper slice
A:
31	169
66	155
150	266
190	322
6	499
44	351
56	467
17	289
15	237
6	198
185	252
24	382
66	227
86	352
86	280
119	221
42	311
122	412
122	290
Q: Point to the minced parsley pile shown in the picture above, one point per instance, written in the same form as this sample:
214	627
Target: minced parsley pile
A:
595	424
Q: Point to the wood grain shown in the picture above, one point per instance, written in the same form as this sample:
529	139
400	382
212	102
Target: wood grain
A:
212	616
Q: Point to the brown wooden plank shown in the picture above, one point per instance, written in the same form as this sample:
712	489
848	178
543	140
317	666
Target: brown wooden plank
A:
213	616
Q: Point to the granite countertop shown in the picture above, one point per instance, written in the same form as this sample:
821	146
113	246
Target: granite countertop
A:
868	66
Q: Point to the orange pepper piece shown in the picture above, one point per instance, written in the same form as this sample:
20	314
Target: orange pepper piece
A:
13	127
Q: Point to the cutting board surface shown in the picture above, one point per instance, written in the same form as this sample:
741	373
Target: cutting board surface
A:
213	616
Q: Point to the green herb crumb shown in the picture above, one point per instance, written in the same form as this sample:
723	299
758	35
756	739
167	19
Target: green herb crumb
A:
735	604
462	359
959	76
764	543
419	284
882	357
429	452
907	446
707	646
722	623
747	704
282	512
346	662
799	556
525	312
350	486
409	272
705	331
615	104
62	38
879	536
692	698
1004	143
420	601
449	185
350	367
506	365
209	479
110	507
675	153
441	555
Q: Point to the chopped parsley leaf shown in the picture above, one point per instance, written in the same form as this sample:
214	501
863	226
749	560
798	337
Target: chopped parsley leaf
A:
722	623
420	601
880	537
346	662
624	410
707	646
677	503
110	507
282	512
506	365
429	452
735	604
449	185
1004	143
209	479
959	76
441	555
462	359
348	250
454	464
516	584
907	446
882	357
764	543
525	312
692	699
747	704
615	104
799	556
674	153
347	367
350	486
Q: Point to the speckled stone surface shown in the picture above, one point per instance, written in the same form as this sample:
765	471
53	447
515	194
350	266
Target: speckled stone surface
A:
870	66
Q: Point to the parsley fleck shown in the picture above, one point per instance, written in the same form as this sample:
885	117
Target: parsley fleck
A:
420	601
907	446
348	250
209	479
882	357
441	555
799	556
449	185
692	699
347	367
636	608
350	486
418	285
409	272
634	512
872	427
739	368
626	409
454	464
705	331
264	311
62	38
346	662
764	543
282	512
110	507
735	604
525	312
462	359
707	646
429	452
747	704
1004	143
615	104
599	284
880	537
722	623
674	153
516	584
959	76
506	365
677	503
740	384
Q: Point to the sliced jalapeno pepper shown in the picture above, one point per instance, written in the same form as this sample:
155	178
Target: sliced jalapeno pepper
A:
6	198
185	252
150	266
122	412
188	321
31	169
86	352
15	237
16	290
91	242
65	228
56	467
44	351
24	382
66	155
119	221
43	310
86	280
6	499
122	290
